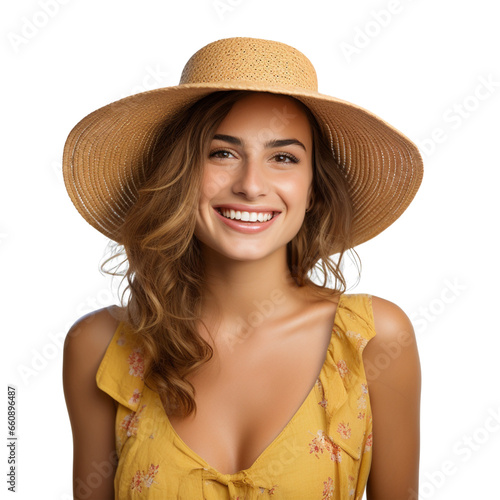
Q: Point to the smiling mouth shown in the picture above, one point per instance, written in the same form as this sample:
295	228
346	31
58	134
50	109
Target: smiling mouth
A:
249	217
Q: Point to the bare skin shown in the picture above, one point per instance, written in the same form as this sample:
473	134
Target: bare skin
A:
255	384
249	391
394	397
91	411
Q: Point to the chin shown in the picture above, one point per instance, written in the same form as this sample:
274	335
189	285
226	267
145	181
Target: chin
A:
244	256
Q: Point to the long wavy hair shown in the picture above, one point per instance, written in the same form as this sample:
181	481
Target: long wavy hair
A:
165	271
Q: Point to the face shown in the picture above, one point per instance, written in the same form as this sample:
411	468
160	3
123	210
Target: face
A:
259	165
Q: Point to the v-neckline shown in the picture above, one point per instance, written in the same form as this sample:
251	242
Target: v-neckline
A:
266	450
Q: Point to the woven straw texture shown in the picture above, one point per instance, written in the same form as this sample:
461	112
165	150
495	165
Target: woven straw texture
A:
107	152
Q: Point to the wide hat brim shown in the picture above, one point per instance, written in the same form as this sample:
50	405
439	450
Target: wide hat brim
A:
107	153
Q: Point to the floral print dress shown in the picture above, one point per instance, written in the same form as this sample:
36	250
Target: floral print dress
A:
323	453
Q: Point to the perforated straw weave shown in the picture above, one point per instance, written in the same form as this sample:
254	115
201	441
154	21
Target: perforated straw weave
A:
107	152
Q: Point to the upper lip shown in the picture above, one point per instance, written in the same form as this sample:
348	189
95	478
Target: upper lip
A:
246	208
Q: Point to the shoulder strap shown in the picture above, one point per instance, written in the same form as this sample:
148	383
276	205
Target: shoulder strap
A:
121	371
355	320
344	383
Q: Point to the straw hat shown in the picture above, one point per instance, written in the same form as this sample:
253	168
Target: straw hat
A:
107	152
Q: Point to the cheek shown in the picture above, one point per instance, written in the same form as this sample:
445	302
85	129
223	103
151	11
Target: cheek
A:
295	189
213	182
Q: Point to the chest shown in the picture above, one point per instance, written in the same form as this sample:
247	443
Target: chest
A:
246	396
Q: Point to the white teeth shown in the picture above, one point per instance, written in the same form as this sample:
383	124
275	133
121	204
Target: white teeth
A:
246	216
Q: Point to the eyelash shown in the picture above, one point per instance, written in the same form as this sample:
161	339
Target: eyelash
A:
291	157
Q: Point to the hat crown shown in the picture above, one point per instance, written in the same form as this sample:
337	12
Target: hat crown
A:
254	60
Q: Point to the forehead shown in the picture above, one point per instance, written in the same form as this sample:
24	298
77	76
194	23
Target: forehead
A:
267	116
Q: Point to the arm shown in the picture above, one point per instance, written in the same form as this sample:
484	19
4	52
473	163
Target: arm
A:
91	411
394	382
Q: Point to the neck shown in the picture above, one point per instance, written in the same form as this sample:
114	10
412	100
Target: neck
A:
249	294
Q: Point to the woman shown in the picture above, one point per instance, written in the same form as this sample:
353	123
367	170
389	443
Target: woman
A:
230	373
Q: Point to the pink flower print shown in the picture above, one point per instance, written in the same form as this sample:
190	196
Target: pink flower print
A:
315	447
368	443
136	483
361	415
328	489
320	385
352	490
323	443
362	402
135	397
360	341
338	331
323	402
142	478
335	455
344	430
342	368
130	423
125	423
136	363
152	471
364	388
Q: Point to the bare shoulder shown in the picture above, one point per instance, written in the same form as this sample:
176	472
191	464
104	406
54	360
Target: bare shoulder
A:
91	411
391	322
393	351
91	334
392	368
85	346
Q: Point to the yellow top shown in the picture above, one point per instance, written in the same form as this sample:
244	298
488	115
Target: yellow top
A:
323	452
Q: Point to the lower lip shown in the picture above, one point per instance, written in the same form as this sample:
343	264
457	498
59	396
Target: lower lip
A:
246	227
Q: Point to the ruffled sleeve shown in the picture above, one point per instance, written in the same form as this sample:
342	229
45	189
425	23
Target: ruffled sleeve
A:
355	323
344	381
121	371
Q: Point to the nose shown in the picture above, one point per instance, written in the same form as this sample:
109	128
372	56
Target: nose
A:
250	180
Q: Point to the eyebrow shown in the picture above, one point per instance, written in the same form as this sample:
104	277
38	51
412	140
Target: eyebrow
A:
277	143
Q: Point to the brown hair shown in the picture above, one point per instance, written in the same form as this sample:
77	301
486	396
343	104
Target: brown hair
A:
165	271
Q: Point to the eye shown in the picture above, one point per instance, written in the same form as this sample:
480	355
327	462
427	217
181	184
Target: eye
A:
220	153
285	158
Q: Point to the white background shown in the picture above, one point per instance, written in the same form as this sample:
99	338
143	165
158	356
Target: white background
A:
418	67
